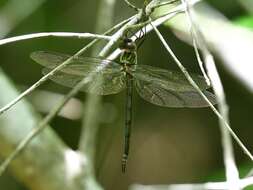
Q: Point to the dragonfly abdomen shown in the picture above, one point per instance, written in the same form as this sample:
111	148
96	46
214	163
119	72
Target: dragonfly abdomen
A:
128	119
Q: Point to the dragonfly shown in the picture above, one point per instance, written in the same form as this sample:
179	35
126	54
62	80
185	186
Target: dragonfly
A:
158	86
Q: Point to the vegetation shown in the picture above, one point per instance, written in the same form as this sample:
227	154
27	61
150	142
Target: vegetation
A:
53	137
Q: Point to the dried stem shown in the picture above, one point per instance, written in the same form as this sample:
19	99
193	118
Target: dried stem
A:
44	78
188	77
54	34
131	5
205	186
54	111
232	173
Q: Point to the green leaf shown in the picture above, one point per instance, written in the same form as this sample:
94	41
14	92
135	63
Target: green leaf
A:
245	21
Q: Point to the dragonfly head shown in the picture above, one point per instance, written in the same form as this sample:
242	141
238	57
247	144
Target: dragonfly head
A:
128	55
127	45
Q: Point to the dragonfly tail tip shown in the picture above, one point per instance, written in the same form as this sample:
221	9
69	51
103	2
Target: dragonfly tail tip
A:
124	163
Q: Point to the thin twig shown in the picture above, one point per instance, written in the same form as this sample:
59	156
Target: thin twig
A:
50	116
205	186
45	77
117	36
53	34
188	77
131	5
41	126
157	22
54	111
41	81
90	124
165	3
134	21
194	40
167	14
232	173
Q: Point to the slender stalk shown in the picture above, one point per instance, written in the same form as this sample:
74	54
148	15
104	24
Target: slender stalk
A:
45	77
191	81
117	36
165	3
54	111
204	186
41	126
136	18
157	22
14	126
42	80
90	125
87	142
131	5
48	118
232	173
54	34
195	37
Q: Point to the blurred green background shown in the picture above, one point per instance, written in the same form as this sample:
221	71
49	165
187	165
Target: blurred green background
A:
168	145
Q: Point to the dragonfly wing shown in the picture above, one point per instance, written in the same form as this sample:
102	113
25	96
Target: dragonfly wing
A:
160	96
49	59
97	83
77	66
107	76
170	80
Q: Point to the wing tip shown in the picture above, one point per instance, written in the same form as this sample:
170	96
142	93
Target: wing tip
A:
36	55
210	96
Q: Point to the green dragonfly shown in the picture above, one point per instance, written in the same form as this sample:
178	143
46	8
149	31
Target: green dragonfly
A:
155	85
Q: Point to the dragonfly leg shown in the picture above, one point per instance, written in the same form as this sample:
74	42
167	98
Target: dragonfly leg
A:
128	120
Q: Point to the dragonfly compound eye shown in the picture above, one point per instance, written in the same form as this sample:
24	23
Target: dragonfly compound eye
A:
127	44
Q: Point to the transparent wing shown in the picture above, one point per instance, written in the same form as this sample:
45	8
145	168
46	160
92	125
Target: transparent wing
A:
101	83
169	80
78	66
157	95
105	77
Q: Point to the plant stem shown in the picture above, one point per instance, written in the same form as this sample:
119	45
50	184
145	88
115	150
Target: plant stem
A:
54	34
188	77
131	5
44	78
232	173
54	111
204	186
91	124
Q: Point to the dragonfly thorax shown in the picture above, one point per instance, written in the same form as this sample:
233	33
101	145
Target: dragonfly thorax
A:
128	56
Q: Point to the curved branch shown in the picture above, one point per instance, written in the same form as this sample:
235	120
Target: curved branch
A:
53	34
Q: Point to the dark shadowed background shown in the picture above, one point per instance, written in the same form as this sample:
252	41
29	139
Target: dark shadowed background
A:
168	145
